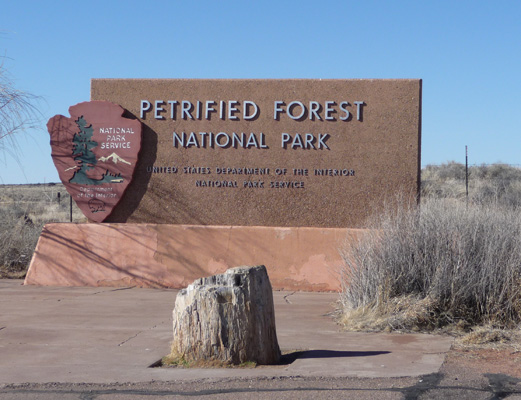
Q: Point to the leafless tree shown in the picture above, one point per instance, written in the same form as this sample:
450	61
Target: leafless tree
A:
18	113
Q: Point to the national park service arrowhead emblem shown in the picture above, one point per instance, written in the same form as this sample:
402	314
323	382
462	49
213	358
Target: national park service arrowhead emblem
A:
95	152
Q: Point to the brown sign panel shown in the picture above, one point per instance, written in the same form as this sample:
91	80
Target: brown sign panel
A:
317	153
95	152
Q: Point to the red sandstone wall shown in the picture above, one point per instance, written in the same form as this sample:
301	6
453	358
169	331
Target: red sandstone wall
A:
378	146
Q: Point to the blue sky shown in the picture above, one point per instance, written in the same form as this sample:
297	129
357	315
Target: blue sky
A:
467	53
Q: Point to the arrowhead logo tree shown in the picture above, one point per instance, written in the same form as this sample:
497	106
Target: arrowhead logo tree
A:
95	152
85	157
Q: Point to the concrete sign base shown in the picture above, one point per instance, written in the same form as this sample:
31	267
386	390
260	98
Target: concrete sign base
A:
172	256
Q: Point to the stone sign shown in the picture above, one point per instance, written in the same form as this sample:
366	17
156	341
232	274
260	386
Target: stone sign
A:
316	153
95	152
278	173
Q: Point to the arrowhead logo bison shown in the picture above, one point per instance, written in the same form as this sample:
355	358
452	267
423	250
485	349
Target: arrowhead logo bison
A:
95	152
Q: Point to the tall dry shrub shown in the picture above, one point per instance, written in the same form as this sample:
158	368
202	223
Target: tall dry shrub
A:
24	210
452	264
18	238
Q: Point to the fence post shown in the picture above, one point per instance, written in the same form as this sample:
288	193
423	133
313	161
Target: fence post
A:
467	175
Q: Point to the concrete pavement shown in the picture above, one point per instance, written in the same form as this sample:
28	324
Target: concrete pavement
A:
108	335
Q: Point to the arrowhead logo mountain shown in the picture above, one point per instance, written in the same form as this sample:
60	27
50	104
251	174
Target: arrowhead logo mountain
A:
95	152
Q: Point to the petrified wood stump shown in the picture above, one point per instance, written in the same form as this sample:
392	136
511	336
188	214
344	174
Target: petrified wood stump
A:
228	317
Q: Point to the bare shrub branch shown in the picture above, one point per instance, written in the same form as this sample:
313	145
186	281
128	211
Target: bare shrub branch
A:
18	113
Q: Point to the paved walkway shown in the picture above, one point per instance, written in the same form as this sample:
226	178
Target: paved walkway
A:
107	335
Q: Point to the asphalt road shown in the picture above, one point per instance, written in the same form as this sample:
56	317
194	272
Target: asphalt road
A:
443	385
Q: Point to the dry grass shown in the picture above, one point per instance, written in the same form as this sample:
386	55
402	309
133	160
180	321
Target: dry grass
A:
24	210
497	184
401	313
493	337
173	361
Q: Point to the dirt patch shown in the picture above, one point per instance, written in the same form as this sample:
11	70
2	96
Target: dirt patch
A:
486	351
482	361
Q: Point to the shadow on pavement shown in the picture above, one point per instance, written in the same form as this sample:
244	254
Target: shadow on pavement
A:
291	357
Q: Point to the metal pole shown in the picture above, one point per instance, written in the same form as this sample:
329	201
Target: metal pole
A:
70	208
467	174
